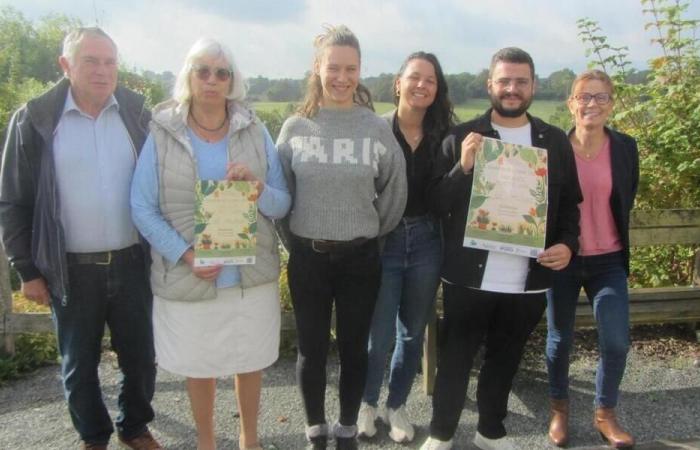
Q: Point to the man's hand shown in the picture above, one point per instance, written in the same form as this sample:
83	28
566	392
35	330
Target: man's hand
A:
555	257
36	291
470	145
208	273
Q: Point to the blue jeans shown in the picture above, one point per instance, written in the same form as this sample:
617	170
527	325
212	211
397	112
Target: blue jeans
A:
410	275
118	295
604	280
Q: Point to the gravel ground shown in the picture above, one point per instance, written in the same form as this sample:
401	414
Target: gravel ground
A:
660	400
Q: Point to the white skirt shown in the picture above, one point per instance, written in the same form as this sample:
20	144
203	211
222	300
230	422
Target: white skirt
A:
237	332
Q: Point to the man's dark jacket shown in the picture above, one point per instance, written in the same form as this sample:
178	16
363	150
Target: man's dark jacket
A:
450	191
30	219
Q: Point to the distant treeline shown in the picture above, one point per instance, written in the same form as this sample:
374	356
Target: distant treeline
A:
462	86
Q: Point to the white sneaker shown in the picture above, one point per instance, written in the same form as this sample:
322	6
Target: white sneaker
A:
401	428
435	444
485	443
366	419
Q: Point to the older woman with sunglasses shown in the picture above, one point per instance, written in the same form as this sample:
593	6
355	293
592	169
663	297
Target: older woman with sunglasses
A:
215	321
608	170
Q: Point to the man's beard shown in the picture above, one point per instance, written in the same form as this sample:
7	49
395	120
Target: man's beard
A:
511	113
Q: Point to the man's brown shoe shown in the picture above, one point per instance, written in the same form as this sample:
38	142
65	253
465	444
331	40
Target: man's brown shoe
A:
559	422
85	446
606	424
143	441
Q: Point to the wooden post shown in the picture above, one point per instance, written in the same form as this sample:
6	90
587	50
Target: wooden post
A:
7	339
696	283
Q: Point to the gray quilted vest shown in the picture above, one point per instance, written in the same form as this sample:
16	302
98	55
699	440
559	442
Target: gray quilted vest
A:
177	172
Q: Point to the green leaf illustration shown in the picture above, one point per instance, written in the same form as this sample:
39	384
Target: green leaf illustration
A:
492	149
199	227
477	201
542	210
529	156
529	219
208	186
243	187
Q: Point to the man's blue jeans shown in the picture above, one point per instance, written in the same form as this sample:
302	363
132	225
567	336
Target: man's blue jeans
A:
604	280
117	294
410	275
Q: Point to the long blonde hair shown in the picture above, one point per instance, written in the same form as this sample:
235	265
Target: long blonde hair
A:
338	36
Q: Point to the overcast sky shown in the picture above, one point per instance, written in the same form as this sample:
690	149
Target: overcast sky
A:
273	38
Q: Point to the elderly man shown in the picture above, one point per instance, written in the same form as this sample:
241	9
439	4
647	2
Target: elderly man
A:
66	227
490	297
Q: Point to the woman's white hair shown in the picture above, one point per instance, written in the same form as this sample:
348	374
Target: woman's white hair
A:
213	48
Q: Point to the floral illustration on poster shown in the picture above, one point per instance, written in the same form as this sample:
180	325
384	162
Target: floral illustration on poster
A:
508	204
225	222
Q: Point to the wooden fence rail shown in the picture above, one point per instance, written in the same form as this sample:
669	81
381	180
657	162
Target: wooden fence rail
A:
648	305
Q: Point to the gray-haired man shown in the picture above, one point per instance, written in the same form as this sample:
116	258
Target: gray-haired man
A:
66	227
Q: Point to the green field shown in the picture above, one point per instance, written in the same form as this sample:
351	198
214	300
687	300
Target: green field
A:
540	108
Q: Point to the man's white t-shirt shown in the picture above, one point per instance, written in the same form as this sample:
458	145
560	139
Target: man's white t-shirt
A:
504	272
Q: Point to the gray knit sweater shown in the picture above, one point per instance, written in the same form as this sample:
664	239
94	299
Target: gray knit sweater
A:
346	174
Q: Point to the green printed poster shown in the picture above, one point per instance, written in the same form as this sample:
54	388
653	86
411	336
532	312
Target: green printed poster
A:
508	203
225	222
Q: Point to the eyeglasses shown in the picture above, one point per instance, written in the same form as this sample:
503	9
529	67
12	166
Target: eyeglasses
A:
203	72
601	98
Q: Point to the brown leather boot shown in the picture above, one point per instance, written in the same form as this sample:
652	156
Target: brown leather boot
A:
559	422
611	431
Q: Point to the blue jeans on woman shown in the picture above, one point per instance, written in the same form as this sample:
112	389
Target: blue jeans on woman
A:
604	280
410	275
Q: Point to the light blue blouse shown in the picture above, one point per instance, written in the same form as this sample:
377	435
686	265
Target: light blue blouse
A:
211	158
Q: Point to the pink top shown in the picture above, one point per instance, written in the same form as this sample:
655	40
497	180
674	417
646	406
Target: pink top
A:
598	230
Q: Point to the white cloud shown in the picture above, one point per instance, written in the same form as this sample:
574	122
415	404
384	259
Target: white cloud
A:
273	38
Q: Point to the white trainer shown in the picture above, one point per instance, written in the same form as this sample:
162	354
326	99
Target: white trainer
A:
436	444
485	443
366	419
401	429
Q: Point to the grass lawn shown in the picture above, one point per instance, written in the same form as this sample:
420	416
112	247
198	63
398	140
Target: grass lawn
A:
540	108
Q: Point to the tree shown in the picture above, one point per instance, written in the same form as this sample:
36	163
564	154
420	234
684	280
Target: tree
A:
29	62
381	87
662	114
560	83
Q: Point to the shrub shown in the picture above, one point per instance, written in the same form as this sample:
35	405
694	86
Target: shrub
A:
662	114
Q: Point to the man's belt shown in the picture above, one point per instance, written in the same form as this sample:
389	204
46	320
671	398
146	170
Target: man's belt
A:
104	258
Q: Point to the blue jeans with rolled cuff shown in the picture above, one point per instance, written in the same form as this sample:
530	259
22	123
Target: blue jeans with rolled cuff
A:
114	291
604	281
410	275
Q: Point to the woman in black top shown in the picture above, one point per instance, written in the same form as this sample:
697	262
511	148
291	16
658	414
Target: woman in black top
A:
412	253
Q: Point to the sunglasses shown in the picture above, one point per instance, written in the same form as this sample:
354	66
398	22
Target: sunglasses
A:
203	72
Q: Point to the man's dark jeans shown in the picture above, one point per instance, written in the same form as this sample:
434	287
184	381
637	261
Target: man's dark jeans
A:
502	322
117	294
350	279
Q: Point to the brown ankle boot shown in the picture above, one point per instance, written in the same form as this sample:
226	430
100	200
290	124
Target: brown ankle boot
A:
606	424
559	422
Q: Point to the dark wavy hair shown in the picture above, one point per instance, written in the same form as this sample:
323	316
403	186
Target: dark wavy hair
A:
440	115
